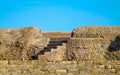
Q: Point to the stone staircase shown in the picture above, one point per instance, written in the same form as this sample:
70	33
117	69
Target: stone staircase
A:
53	45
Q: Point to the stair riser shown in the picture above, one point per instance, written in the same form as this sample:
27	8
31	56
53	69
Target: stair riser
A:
57	42
59	38
50	47
46	50
54	44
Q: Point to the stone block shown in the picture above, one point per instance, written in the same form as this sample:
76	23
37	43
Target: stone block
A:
15	62
70	74
61	70
112	70
108	66
102	66
3	64
37	71
3	71
65	62
73	70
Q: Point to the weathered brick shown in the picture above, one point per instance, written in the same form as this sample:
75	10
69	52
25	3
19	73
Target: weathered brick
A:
61	70
112	70
101	66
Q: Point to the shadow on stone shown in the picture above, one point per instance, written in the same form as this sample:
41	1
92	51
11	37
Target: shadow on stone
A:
115	45
113	52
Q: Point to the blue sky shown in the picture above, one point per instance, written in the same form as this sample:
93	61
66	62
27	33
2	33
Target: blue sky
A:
59	15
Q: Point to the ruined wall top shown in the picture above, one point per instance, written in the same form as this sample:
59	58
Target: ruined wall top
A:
96	32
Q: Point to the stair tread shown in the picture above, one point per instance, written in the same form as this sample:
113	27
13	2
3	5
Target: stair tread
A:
50	47
45	50
54	44
57	42
59	38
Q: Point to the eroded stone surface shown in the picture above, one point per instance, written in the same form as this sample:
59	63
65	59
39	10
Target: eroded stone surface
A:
18	43
96	32
84	48
88	38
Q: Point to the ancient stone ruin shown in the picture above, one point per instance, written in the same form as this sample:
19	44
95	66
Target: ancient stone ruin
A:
84	51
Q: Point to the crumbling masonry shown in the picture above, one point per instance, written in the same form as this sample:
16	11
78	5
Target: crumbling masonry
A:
84	51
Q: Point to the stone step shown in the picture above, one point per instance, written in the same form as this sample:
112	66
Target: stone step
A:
46	50
63	43
59	38
46	53
54	44
43	52
53	50
40	56
50	47
57	41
